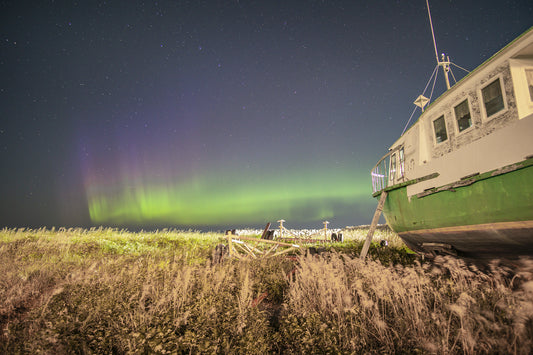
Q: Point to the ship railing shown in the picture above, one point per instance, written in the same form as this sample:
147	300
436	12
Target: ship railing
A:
380	172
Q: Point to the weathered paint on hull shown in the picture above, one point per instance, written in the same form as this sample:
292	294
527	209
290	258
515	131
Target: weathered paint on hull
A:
492	216
491	240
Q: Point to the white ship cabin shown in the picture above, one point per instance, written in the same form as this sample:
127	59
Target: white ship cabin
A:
482	123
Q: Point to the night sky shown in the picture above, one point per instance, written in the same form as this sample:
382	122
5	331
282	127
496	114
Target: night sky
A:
214	114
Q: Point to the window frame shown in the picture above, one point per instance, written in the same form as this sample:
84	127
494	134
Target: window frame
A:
504	97
401	163
392	169
436	143
459	102
529	69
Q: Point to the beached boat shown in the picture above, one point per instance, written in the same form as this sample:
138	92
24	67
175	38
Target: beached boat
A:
460	179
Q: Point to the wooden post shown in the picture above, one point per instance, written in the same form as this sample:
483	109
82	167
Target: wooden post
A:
265	231
230	237
374	224
281	228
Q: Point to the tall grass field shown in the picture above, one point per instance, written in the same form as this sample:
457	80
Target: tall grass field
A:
103	291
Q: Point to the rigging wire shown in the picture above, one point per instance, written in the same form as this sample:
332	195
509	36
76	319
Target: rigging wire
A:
431	77
453	76
433	87
427	84
435	73
468	71
407	124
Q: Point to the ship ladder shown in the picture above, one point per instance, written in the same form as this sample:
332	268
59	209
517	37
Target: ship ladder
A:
374	224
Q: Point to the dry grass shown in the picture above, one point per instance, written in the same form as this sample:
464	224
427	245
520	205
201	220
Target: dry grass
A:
108	291
340	304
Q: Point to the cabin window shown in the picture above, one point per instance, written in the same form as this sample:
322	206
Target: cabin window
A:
529	78
462	115
439	125
401	166
392	170
492	98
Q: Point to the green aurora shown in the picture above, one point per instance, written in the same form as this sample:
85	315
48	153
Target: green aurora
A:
229	199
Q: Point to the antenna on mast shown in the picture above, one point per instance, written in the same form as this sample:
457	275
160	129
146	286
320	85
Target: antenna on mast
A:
444	62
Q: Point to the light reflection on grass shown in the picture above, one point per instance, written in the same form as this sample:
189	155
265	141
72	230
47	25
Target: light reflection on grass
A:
107	290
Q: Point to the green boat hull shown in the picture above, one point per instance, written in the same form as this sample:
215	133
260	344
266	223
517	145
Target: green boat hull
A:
488	215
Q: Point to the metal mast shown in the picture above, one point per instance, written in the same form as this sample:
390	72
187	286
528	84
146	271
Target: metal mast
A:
444	61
